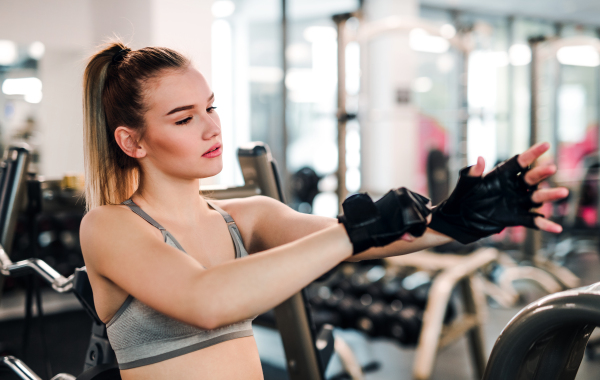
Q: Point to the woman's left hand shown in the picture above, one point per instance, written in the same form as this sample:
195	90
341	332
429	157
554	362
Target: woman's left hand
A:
482	205
532	178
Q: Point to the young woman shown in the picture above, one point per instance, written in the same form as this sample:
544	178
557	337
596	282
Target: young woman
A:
170	271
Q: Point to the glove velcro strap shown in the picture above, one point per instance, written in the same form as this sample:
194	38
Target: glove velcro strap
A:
451	225
376	224
359	235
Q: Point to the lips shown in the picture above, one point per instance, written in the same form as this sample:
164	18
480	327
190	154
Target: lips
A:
214	151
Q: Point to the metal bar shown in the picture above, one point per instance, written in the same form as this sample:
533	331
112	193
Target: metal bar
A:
439	295
598	124
19	155
18	368
476	334
342	192
510	27
457	329
533	238
284	94
558	73
58	282
292	316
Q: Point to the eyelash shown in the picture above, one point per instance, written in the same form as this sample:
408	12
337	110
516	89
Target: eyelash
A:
188	119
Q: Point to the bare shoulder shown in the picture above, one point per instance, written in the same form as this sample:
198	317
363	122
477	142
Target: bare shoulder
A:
266	223
251	206
250	214
110	225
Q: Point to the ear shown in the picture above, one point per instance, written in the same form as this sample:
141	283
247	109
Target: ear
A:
128	142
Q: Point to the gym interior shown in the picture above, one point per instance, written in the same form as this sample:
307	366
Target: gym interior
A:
319	100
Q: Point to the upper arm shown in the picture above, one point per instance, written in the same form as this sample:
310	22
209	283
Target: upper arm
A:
267	223
121	247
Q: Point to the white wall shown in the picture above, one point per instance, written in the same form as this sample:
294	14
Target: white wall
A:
185	25
56	23
71	30
61	121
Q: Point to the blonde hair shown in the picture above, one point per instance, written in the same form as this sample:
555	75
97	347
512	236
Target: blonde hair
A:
113	85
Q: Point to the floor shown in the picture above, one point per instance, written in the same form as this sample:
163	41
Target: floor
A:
68	331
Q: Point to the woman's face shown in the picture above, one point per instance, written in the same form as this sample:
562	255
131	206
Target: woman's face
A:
183	131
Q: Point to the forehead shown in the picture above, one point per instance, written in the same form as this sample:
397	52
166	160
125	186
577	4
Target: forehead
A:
176	88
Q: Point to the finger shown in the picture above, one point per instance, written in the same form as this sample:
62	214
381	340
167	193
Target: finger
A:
408	237
539	173
530	155
548	226
429	218
549	195
477	169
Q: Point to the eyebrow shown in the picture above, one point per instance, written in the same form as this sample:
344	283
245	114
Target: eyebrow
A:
185	108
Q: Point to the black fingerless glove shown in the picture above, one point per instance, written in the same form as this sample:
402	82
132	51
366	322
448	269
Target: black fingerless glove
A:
375	224
483	206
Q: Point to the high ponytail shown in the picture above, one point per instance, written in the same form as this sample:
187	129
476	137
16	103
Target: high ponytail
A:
113	96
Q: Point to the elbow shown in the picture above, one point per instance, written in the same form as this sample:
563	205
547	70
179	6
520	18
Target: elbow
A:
208	323
207	317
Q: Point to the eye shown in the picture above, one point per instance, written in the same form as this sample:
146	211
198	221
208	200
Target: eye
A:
210	109
184	121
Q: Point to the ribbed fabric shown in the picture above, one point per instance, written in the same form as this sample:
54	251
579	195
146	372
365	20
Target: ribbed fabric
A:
140	335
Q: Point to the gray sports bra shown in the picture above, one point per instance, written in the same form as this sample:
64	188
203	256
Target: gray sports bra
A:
141	335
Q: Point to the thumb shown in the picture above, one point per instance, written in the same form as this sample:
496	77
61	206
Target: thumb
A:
477	169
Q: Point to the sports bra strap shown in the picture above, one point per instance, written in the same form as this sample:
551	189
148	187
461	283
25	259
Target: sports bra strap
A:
135	208
223	213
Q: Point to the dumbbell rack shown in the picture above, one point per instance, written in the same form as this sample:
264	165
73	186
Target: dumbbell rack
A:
452	271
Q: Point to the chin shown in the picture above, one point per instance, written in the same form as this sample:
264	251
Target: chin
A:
211	173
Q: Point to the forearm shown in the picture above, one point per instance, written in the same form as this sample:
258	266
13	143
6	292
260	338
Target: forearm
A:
246	287
429	239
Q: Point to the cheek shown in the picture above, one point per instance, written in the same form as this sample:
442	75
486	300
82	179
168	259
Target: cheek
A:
174	143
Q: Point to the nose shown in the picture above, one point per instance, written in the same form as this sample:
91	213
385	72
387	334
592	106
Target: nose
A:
212	126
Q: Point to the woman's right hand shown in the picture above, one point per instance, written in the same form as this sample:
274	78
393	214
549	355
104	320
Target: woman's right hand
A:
398	214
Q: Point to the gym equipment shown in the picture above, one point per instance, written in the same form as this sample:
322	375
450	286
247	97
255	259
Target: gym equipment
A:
307	351
13	184
367	32
547	339
354	298
438	176
304	186
453	271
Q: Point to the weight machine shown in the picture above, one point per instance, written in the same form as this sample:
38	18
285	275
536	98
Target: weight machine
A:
547	339
307	351
452	270
544	57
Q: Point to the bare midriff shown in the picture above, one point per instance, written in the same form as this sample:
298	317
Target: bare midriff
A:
233	359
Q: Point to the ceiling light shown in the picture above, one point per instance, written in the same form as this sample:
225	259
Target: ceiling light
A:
223	8
36	50
33	97
447	31
584	55
422	84
320	33
519	55
21	86
8	52
420	40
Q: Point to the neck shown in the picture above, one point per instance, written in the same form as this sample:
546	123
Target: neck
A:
171	198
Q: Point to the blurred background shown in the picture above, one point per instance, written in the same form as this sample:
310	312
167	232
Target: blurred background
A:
350	96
